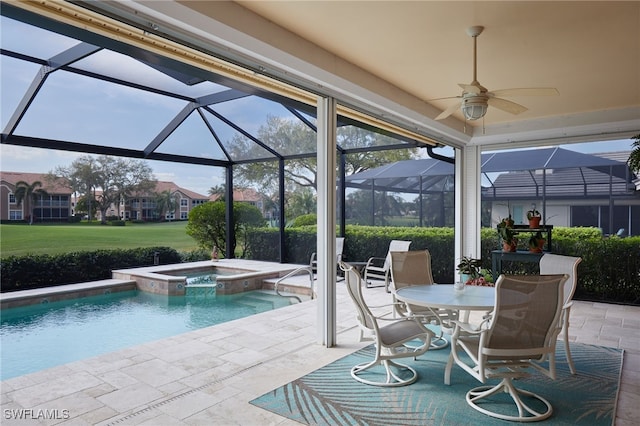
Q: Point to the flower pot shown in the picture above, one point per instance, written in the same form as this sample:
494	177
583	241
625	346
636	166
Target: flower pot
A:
539	247
509	247
534	222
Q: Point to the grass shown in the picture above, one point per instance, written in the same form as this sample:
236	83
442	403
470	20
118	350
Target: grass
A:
62	238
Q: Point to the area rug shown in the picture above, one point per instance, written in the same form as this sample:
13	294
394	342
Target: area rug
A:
329	396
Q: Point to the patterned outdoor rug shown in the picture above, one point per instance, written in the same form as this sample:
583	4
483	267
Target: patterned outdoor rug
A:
329	396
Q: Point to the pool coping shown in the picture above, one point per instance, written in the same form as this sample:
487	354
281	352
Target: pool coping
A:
260	271
36	296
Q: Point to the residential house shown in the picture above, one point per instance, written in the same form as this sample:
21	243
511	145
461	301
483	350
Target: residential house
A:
56	205
143	206
603	197
250	196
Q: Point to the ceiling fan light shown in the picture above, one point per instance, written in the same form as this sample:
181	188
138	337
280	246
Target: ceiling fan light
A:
473	109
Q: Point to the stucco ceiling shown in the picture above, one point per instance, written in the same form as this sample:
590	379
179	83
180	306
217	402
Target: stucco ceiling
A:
589	51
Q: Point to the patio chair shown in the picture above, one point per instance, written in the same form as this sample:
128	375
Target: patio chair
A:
559	264
339	249
409	268
389	339
521	332
378	269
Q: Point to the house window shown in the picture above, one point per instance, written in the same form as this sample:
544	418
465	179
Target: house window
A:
184	202
184	215
12	198
15	214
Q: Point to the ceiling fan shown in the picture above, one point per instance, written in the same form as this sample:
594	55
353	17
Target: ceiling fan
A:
475	98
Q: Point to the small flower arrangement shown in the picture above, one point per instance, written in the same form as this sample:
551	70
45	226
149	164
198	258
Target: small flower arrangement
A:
485	280
470	266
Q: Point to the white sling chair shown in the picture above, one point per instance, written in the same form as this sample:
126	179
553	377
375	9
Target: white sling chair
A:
339	249
559	264
521	332
378	269
389	338
409	268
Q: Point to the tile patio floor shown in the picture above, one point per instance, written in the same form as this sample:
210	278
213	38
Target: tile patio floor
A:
208	376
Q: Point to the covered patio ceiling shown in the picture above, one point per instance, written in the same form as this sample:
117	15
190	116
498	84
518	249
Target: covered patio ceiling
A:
400	58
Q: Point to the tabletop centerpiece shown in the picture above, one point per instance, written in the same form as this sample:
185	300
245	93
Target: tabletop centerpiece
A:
470	271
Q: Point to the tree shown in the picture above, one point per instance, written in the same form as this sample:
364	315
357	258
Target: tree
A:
82	178
29	192
220	190
634	157
300	203
281	135
207	224
86	205
116	178
167	202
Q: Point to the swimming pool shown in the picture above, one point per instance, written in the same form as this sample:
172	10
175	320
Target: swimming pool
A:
46	335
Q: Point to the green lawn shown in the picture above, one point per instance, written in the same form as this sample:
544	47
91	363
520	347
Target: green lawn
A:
51	239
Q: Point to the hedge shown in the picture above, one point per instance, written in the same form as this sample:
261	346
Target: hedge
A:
43	270
609	271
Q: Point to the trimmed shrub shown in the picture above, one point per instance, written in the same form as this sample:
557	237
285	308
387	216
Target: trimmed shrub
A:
609	271
305	220
37	271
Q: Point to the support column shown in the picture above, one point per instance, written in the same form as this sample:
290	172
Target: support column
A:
326	238
468	202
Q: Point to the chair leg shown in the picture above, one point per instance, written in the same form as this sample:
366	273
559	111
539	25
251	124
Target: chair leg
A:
525	412
391	377
448	367
567	350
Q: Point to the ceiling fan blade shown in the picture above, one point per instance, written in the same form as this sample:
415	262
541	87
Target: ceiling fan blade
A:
470	88
448	97
447	112
527	91
506	105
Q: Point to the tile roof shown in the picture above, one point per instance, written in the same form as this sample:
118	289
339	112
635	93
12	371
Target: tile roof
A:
56	187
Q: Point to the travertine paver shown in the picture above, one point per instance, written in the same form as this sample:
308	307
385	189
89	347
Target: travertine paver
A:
209	376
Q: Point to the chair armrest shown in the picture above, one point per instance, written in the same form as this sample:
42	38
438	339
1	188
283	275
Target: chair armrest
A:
470	328
373	260
382	317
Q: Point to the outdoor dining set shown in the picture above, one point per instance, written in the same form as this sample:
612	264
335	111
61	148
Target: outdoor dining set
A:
521	319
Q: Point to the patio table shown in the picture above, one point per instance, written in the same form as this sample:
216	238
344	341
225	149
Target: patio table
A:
443	296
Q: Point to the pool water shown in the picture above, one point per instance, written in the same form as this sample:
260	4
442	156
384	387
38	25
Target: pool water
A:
41	336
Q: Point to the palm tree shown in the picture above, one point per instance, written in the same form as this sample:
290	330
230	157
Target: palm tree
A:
29	192
166	202
218	190
634	157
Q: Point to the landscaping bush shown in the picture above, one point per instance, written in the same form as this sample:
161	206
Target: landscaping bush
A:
195	256
37	271
609	271
305	220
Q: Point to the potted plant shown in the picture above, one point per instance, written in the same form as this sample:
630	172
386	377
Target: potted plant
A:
536	243
469	269
534	217
507	234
